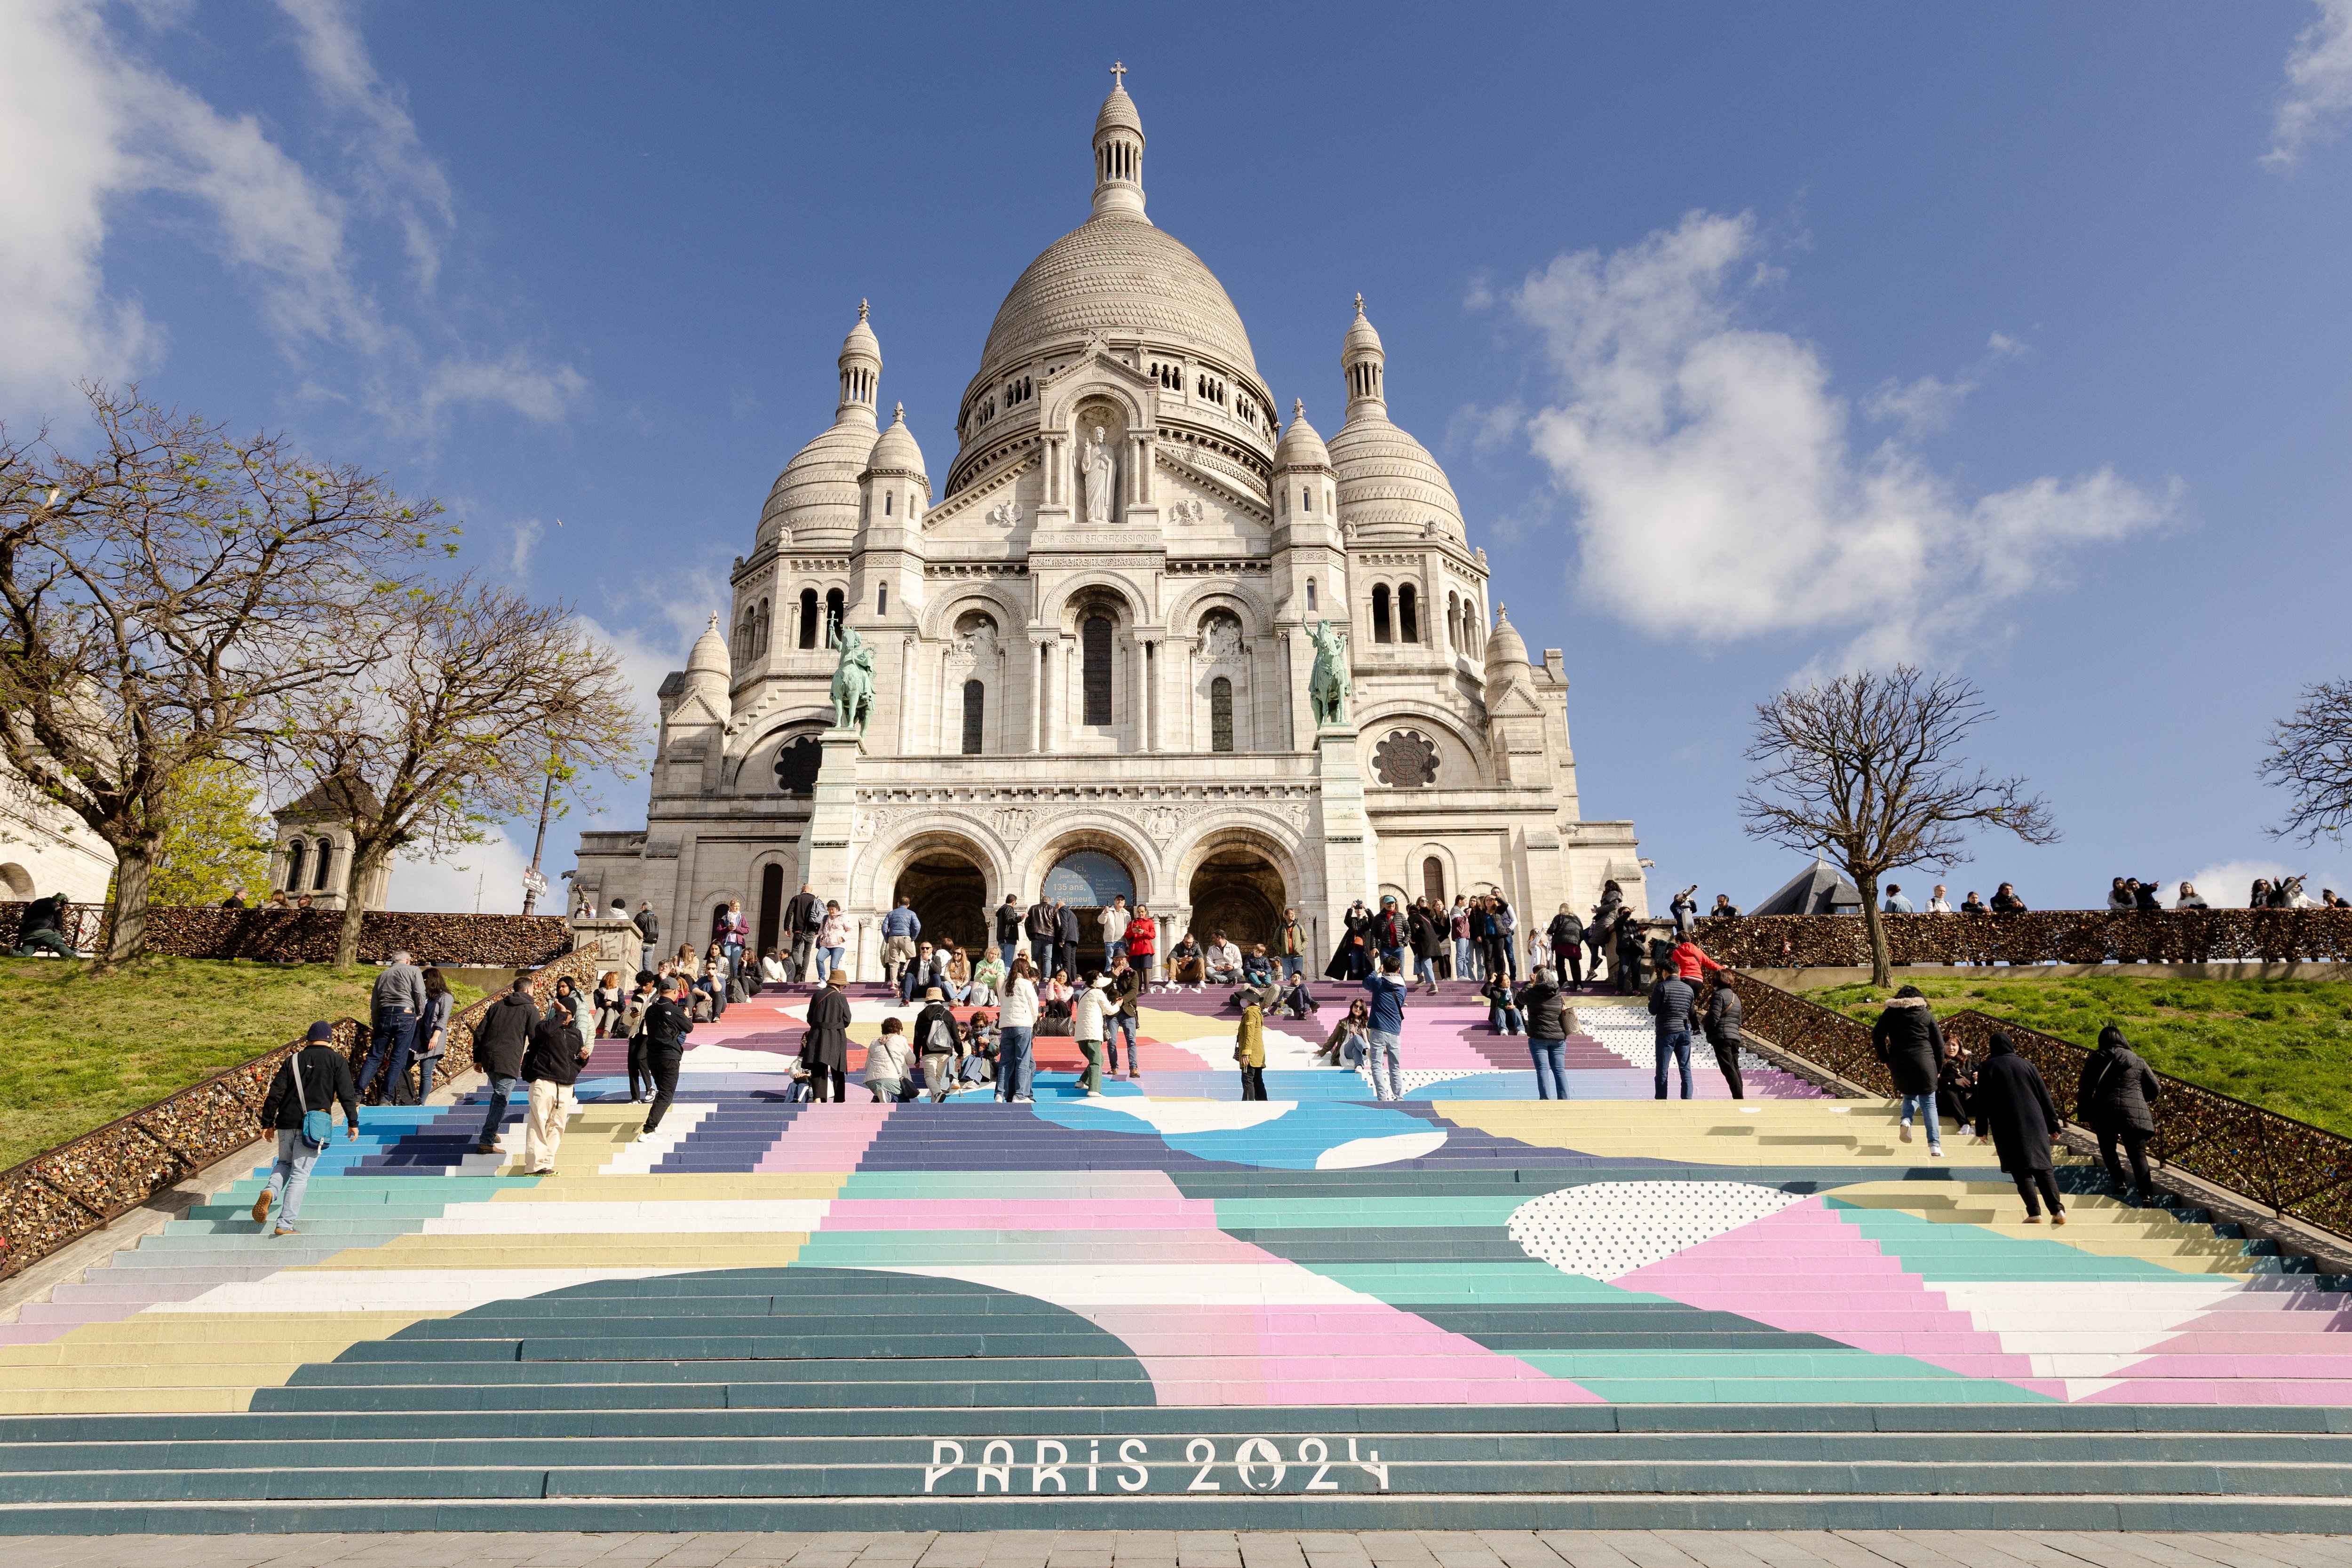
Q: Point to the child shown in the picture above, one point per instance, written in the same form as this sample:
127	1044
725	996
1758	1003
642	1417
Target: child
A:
1296	1000
1502	1005
1249	1049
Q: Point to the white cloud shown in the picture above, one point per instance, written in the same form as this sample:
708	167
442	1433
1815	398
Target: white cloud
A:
492	870
98	136
2318	84
1720	493
526	540
2223	884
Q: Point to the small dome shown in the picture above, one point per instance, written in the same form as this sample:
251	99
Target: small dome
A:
710	656
1506	652
818	489
1360	338
1301	447
1118	113
896	451
1388	480
861	340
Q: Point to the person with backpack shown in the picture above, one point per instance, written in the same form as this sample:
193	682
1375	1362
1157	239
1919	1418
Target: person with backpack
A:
551	1066
500	1041
2116	1092
1566	934
939	1042
803	915
301	1107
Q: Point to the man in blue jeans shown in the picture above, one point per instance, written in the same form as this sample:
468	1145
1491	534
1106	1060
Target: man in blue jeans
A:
1670	1003
1387	989
393	1005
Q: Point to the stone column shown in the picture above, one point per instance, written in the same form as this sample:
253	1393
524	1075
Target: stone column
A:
827	863
1349	846
1037	697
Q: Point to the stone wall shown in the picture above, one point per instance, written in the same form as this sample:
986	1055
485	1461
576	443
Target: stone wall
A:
308	936
2053	936
55	1198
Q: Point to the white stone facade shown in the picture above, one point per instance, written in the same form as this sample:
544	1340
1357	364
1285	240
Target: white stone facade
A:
45	848
1094	637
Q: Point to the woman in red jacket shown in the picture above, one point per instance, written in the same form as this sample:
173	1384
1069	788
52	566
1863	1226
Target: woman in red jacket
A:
1142	941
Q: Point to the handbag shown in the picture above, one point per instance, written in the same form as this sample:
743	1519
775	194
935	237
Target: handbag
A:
318	1126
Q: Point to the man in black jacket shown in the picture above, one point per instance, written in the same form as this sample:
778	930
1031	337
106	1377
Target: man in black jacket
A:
1008	931
1723	1034
667	1024
500	1041
325	1081
802	916
1065	938
1670	1003
1041	924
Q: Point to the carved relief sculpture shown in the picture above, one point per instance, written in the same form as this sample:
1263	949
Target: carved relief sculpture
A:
1100	469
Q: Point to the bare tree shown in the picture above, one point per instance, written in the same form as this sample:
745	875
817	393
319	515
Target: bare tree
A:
469	693
1866	770
160	595
2311	759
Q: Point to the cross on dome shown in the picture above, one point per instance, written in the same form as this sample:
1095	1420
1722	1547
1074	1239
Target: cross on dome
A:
1118	75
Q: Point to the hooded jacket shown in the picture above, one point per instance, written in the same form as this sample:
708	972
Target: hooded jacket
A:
504	1034
2118	1087
2013	1105
1907	1038
554	1054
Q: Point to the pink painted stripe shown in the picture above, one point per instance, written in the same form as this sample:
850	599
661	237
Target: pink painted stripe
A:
1080	1214
825	1138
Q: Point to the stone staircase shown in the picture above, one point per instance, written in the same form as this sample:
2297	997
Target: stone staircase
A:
1467	1309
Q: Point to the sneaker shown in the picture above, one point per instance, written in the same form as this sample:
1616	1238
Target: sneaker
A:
1907	1132
261	1207
285	1230
2033	1219
1934	1151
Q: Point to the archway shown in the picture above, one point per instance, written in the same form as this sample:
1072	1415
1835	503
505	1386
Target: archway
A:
772	909
950	895
16	882
1237	891
1087	880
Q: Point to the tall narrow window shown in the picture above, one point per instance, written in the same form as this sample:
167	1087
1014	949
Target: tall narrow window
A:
771	905
808	617
1408	616
881	598
1310	593
322	860
1380	613
976	706
761	652
1307	499
1432	881
294	856
1094	640
836	609
1221	715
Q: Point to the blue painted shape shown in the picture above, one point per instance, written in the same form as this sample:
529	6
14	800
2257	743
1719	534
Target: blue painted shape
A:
1291	1141
1088	878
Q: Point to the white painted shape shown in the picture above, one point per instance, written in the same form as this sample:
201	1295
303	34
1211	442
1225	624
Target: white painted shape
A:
395	1289
1178	1117
1357	1153
2087	1330
683	1216
1607	1229
639	1158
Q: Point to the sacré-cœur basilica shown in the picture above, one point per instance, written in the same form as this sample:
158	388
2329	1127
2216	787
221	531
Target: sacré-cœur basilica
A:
1086	662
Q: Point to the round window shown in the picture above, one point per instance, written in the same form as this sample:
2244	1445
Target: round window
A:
1406	760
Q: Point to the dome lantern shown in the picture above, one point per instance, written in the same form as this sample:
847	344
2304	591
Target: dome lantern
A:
1364	361
861	371
1118	152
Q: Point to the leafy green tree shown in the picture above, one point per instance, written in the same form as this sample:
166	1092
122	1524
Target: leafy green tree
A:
215	839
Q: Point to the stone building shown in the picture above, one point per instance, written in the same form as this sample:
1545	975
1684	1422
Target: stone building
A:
1091	643
45	848
313	852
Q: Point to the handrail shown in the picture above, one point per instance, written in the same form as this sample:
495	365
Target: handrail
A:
2292	1168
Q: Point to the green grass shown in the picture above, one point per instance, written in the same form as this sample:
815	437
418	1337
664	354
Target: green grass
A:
78	1050
2285	1044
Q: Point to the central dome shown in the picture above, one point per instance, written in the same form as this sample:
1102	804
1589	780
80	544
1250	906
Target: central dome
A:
1117	273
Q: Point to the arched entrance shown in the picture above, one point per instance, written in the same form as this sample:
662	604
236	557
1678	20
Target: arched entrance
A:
1237	891
1087	880
772	910
950	894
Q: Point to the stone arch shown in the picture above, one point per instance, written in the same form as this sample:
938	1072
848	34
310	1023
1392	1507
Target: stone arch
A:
1238	878
1462	760
753	769
939	616
1066	392
1433	849
1116	839
1061	611
1199	599
876	883
16	882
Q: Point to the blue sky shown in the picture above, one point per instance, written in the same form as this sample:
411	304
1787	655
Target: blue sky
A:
1757	341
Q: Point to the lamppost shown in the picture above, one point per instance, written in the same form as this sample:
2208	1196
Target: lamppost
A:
534	882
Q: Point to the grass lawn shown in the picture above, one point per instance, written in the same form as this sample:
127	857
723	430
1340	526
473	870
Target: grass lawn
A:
2285	1044
78	1050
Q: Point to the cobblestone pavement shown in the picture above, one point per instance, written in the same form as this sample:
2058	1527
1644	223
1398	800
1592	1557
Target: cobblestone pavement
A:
1205	1549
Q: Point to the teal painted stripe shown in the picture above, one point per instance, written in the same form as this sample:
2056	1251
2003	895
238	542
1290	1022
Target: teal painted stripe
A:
1972	1254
